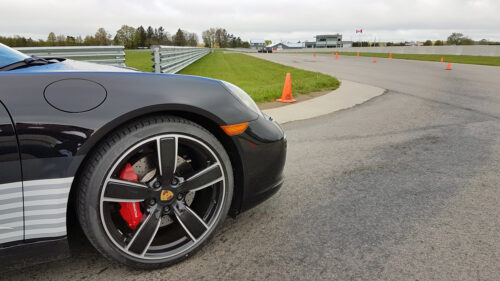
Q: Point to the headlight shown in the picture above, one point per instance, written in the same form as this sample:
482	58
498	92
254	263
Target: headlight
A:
242	96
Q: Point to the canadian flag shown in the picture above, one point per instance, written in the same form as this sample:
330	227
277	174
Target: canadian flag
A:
359	31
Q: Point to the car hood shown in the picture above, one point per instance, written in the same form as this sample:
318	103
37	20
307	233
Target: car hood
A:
72	66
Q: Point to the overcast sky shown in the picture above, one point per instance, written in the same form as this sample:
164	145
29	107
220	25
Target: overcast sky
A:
277	20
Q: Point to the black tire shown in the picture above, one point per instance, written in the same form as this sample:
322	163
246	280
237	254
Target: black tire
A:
99	165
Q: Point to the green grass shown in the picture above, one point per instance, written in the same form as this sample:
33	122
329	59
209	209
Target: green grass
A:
140	59
482	60
261	79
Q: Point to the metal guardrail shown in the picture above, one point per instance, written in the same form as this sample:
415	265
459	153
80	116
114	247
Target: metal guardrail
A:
109	55
170	59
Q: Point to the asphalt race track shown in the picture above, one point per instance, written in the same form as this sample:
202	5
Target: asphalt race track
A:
403	187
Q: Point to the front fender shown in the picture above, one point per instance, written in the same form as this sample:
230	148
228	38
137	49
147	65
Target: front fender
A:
53	142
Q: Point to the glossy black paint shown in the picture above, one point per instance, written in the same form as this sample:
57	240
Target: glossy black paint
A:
92	95
55	135
129	95
9	154
264	148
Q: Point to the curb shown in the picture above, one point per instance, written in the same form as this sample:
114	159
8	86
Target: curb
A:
348	95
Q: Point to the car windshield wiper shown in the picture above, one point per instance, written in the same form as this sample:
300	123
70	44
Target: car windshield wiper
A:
27	62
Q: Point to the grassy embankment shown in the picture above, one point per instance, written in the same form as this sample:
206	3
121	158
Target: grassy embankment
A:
140	59
261	79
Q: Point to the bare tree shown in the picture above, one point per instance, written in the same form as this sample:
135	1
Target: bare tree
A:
102	37
61	39
126	36
192	39
163	36
89	41
221	38
208	37
51	39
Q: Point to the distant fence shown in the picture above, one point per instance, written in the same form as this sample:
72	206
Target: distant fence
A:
474	50
109	55
170	59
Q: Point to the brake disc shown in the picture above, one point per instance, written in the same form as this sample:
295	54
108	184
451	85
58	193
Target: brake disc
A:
145	168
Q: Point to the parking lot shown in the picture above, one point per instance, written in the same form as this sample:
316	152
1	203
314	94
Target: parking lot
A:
402	187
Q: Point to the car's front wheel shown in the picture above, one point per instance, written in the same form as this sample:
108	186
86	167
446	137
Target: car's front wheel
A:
154	191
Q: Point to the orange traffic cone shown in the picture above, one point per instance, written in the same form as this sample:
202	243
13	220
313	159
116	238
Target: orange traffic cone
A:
296	53
358	54
374	59
390	55
442	59
337	56
314	55
286	96
448	67
333	52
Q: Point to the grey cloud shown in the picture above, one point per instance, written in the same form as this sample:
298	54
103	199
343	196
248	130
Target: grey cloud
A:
277	20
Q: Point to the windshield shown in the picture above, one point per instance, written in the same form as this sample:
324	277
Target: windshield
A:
9	55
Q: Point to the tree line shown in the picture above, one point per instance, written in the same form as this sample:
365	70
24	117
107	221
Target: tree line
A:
140	37
455	38
220	38
132	38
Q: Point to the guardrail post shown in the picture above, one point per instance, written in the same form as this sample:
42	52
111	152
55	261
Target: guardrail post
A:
157	59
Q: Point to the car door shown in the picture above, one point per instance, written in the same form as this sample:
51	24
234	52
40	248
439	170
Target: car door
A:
11	188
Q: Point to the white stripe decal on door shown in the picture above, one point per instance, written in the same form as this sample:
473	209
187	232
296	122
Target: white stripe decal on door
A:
36	205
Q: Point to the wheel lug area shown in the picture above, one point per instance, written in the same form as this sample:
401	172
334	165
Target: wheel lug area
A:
157	184
151	202
175	181
166	209
180	196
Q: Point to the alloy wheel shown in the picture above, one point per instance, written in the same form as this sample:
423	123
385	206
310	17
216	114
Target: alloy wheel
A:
179	192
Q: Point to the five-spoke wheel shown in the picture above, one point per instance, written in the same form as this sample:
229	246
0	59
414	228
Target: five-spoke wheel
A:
161	195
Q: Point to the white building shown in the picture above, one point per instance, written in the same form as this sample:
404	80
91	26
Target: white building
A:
257	43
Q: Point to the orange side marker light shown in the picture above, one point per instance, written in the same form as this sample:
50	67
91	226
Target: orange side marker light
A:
235	129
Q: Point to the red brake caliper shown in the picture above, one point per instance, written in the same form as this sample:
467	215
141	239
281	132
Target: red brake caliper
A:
130	211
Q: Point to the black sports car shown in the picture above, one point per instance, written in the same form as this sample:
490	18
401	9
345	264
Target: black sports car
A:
151	163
